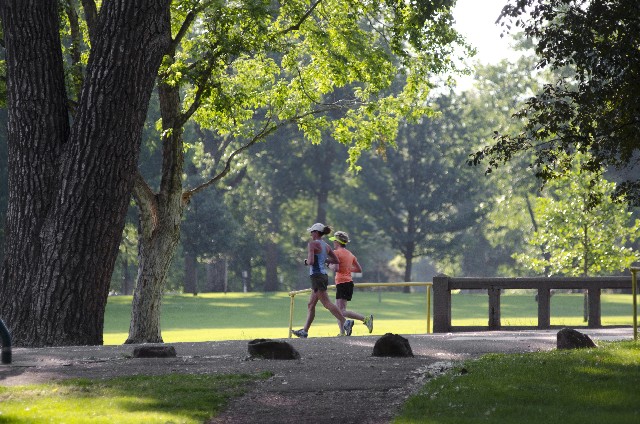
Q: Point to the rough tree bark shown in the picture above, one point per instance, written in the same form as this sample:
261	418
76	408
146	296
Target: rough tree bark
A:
70	185
160	218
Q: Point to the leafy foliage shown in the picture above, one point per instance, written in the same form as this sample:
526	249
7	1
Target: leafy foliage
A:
581	239
252	66
592	109
423	194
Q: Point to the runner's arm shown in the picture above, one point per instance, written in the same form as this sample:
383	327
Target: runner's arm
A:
311	250
331	257
355	266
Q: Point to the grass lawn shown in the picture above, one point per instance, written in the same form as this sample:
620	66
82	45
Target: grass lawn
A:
565	387
246	316
139	399
595	385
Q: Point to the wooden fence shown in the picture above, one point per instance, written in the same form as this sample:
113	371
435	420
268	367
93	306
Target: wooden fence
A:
442	286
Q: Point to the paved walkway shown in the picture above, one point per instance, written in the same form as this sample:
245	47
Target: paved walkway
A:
336	380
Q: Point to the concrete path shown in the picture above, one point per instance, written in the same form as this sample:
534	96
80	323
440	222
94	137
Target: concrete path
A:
336	379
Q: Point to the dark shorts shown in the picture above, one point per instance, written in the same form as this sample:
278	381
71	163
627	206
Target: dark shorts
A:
319	282
344	291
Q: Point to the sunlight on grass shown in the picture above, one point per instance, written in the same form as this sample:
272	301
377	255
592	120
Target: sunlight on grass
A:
140	399
575	386
247	316
522	309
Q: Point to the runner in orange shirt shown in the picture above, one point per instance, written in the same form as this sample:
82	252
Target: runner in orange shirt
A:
319	254
344	283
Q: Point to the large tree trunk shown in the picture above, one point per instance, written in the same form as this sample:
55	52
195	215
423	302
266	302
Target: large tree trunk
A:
217	275
190	273
127	278
409	252
69	187
160	218
271	265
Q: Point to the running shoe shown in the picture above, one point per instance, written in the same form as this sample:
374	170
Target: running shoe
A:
300	333
348	326
341	335
368	321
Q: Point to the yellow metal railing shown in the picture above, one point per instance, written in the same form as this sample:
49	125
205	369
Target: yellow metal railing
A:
292	295
634	291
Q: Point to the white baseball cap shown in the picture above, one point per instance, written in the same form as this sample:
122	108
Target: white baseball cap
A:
316	227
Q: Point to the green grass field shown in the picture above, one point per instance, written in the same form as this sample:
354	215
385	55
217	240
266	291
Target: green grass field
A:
246	316
174	398
599	385
558	387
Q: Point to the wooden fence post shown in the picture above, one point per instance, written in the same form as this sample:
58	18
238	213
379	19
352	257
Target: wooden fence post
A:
544	308
494	308
441	304
594	308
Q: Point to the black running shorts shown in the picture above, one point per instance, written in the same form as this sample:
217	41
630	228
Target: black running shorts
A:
344	291
319	282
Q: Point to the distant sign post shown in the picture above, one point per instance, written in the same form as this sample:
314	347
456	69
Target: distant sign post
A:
634	291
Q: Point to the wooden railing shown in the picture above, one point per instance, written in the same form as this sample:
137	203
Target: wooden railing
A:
442	286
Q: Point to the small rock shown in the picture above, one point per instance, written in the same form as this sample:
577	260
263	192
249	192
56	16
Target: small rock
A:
569	338
154	352
392	345
272	349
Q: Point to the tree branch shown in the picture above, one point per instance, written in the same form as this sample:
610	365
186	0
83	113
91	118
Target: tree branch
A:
296	26
91	16
203	87
265	131
147	204
184	28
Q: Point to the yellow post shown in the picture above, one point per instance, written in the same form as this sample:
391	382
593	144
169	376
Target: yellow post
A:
362	285
634	290
428	309
291	297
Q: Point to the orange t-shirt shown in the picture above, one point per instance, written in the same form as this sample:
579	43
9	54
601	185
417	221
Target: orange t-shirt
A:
347	260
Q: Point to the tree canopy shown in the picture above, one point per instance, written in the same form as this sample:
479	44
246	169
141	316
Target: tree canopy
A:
592	106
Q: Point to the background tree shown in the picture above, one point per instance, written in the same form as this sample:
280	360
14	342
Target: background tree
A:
424	193
276	183
498	91
594	109
578	237
582	240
